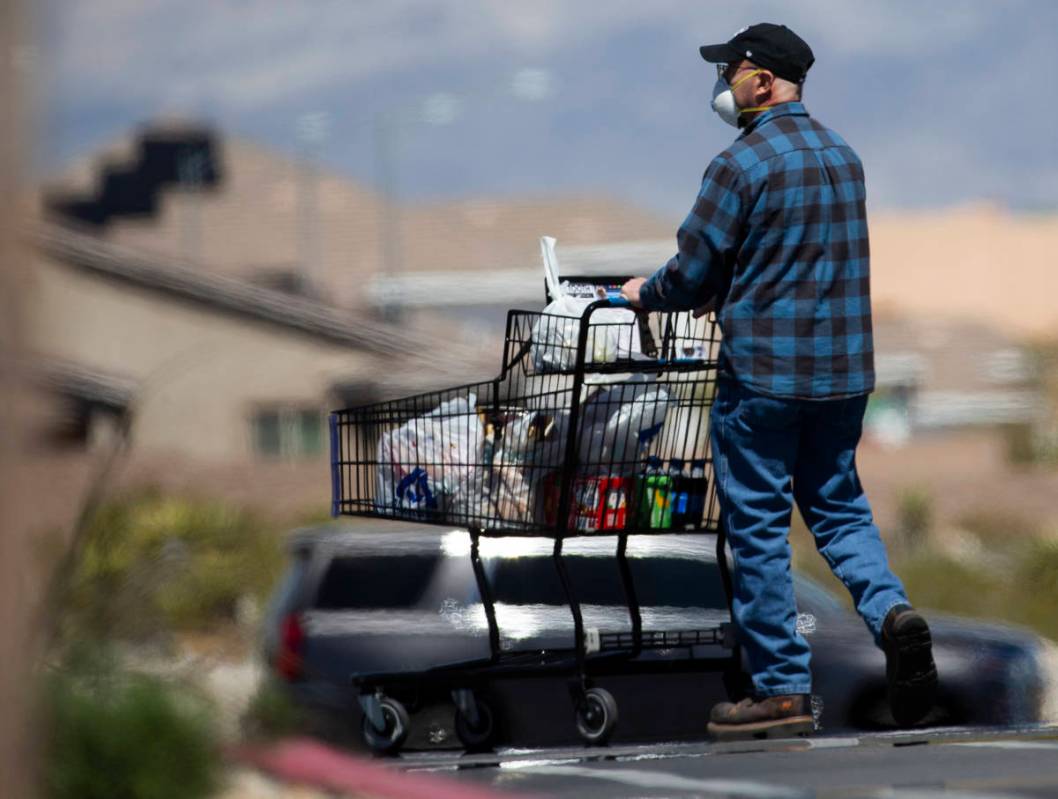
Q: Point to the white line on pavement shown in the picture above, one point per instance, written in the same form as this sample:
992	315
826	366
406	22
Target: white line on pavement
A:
832	743
1009	744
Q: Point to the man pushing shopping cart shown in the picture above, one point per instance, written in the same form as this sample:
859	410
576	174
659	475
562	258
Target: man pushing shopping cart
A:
777	242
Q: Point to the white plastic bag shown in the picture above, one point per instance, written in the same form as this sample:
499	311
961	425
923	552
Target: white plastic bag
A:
493	496
535	438
612	332
618	425
430	457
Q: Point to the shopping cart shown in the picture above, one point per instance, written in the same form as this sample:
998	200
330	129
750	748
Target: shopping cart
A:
595	426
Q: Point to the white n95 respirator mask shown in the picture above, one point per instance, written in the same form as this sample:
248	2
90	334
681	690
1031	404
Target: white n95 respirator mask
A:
724	98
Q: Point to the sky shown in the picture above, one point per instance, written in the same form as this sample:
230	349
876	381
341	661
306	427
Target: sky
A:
947	102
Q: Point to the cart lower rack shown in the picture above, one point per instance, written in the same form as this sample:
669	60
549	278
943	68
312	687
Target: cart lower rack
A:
596	426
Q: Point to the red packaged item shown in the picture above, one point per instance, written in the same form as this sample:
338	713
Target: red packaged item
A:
597	503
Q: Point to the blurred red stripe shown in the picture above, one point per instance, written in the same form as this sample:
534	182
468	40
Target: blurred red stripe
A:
312	763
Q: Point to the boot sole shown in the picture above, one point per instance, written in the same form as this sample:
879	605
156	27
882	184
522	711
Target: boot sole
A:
911	672
760	730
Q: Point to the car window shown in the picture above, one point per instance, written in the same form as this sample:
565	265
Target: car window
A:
376	582
671	582
678	583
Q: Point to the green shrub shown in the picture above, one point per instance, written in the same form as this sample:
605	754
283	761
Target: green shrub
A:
937	581
272	714
915	519
1034	588
153	562
1000	530
122	736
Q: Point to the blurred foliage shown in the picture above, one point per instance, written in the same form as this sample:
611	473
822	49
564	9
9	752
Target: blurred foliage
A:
273	714
1012	576
938	581
915	519
112	734
1023	446
1036	443
154	563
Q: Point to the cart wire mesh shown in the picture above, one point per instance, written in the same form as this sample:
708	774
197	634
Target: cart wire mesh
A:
595	424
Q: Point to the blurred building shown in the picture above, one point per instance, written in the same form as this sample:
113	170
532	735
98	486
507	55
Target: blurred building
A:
231	207
218	294
209	366
230	295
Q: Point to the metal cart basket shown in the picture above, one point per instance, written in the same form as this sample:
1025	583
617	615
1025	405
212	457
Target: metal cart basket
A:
596	426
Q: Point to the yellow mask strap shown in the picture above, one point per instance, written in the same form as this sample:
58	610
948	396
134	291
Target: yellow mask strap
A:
742	80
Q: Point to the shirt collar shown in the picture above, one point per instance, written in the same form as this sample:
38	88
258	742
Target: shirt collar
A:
780	110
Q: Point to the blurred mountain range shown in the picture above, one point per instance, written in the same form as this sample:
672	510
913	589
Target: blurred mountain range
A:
428	100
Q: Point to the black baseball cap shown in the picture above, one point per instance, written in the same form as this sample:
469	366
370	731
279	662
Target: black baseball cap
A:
774	47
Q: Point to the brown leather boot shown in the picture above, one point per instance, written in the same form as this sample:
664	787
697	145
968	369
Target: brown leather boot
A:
771	717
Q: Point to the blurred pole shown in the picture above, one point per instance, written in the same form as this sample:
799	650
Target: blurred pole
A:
17	735
388	208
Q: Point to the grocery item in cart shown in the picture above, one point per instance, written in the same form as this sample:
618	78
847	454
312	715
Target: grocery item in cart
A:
653	493
596	503
698	489
535	438
427	459
494	497
678	493
621	421
612	333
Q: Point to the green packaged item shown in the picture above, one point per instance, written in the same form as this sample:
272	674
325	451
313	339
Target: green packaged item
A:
653	497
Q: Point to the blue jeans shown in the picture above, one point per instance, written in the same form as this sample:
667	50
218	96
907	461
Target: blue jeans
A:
769	453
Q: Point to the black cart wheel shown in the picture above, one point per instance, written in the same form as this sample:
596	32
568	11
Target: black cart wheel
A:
388	740
476	737
596	716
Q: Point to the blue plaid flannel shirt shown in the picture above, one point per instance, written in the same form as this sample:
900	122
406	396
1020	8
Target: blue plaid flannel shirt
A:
778	236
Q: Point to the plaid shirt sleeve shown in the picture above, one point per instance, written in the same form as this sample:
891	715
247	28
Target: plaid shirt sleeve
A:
706	241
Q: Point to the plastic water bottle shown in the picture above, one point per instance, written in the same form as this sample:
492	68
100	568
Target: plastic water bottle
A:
697	492
678	493
653	510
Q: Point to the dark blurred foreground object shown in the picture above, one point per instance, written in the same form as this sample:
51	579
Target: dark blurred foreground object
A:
400	598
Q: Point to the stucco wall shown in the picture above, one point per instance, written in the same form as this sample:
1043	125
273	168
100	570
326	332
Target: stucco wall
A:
201	371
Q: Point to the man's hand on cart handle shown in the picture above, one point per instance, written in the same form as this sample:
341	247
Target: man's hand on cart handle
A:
702	310
630	290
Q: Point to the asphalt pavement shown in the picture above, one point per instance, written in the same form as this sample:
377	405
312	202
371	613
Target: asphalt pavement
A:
948	762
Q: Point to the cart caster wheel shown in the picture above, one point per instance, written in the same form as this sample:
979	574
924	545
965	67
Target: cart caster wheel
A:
596	716
476	737
389	740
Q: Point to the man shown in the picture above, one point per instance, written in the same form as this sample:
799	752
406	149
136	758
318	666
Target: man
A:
777	244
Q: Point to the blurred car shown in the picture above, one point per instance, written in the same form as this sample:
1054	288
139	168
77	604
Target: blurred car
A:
398	599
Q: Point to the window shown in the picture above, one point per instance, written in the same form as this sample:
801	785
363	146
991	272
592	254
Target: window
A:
376	583
288	433
658	581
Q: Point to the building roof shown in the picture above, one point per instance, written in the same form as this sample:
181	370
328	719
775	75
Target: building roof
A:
408	358
524	283
75	380
267	213
188	281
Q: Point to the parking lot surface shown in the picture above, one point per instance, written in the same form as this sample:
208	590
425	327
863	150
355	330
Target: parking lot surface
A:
952	762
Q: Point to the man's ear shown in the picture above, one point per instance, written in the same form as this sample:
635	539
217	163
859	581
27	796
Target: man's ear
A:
765	83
